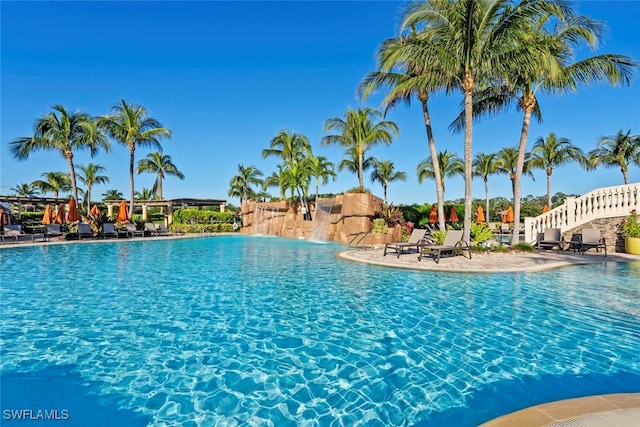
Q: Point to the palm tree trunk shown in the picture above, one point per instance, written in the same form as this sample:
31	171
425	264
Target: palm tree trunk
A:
131	161
524	134
72	175
625	175
549	187
424	98
468	160
486	192
360	166
384	187
159	186
88	198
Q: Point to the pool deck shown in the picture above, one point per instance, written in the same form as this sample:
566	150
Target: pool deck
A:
485	262
612	410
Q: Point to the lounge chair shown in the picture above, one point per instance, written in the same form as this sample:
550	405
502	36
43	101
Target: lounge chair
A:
591	239
13	232
417	235
151	229
132	231
52	230
109	230
452	242
162	230
551	238
84	231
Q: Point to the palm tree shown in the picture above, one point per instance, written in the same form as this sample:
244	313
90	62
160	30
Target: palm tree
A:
25	190
405	76
450	165
65	133
474	44
360	130
552	151
131	126
351	161
276	179
161	165
241	183
291	147
508	164
617	151
145	194
320	168
384	173
485	165
89	176
112	195
54	182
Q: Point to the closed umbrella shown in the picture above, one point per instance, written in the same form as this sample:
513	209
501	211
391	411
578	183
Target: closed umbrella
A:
545	209
433	215
60	219
123	212
480	215
73	214
453	215
95	211
46	218
510	214
3	220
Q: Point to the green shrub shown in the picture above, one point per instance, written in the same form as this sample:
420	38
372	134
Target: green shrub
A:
523	247
438	236
480	233
502	249
380	226
204	216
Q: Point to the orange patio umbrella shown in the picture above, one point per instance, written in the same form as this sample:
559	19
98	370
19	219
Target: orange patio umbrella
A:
509	214
73	214
453	215
545	209
123	212
46	218
60	218
3	220
479	215
95	211
433	215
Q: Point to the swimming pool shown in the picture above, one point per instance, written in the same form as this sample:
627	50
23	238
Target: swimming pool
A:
266	331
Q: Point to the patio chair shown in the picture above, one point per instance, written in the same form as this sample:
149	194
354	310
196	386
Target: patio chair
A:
452	242
417	235
84	231
132	231
552	237
591	239
52	230
151	229
14	233
162	230
109	230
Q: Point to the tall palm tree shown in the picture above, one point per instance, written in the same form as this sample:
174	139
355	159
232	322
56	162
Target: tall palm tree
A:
54	182
241	183
450	165
145	194
618	150
475	43
508	164
25	190
360	130
161	165
89	176
130	125
351	161
65	133
550	152
384	173
400	71
485	165
112	195
320	169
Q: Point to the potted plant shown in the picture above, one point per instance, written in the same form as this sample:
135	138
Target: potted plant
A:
631	231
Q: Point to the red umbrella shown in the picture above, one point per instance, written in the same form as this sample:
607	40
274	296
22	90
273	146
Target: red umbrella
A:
95	211
46	218
480	215
123	212
60	219
73	214
433	215
453	215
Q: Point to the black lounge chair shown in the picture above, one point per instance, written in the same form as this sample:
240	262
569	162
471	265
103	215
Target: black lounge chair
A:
551	238
415	240
132	231
84	231
452	242
591	239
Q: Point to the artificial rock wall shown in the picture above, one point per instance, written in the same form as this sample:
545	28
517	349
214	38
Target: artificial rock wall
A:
350	215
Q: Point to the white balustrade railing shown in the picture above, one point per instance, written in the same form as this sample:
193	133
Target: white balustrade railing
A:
601	203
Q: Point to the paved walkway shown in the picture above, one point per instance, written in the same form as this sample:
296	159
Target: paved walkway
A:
485	262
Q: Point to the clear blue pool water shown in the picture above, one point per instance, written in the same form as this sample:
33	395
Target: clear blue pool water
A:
265	331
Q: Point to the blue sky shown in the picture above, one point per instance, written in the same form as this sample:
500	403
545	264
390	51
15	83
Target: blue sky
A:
226	77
